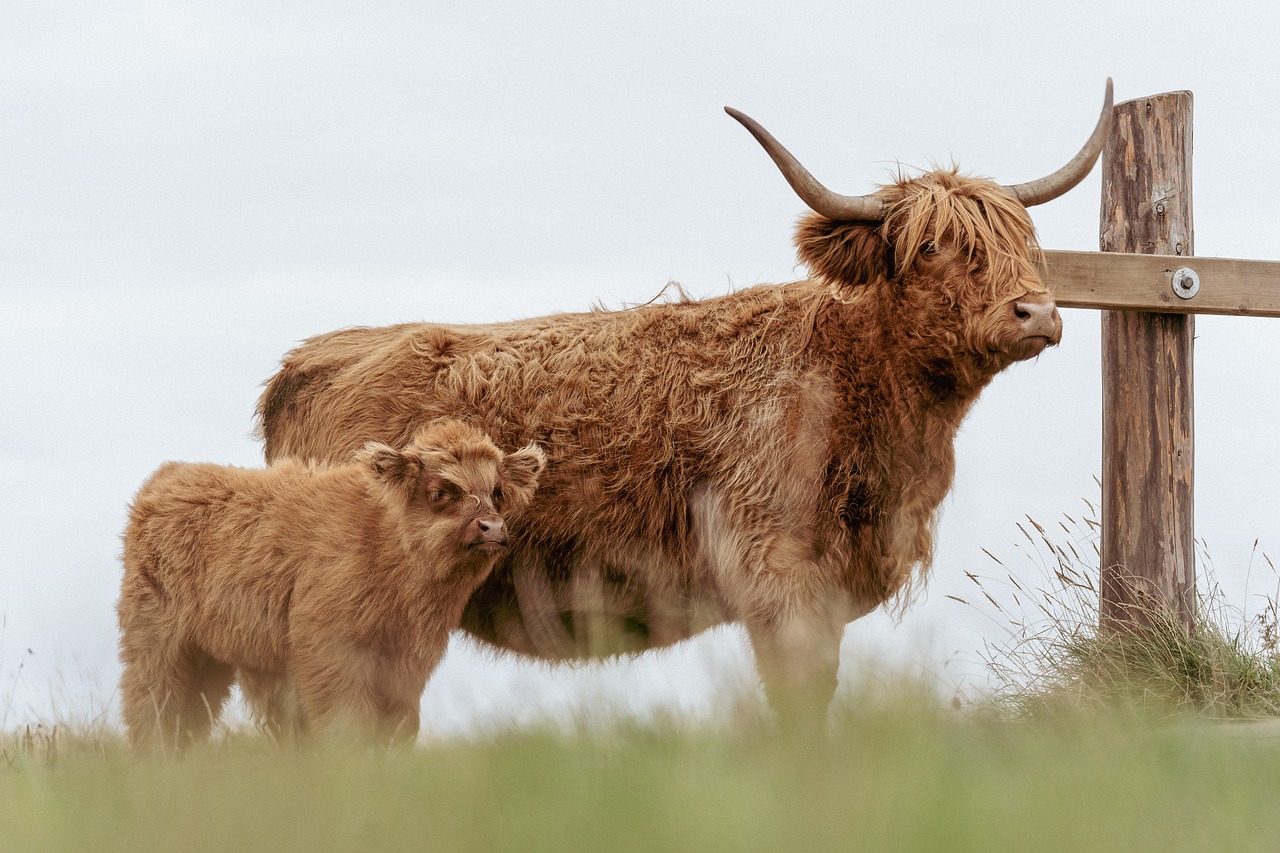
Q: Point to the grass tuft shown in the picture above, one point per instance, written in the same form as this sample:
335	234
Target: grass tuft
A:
1057	661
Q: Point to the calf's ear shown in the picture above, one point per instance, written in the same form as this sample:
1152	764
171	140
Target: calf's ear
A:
846	254
388	464
520	471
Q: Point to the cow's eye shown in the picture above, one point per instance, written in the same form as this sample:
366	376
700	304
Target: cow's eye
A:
928	248
497	496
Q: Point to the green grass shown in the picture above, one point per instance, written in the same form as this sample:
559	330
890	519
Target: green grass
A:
891	776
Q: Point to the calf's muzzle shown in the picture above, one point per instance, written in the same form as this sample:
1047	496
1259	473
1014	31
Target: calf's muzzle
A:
488	533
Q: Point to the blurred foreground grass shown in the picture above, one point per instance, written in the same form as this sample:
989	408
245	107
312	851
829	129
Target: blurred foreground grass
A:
890	776
1088	742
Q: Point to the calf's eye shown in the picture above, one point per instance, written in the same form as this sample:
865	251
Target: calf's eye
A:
928	248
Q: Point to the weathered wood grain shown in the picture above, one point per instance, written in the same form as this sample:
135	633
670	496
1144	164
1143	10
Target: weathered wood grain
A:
1123	282
1148	534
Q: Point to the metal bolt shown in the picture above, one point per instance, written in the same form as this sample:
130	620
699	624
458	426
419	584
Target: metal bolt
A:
1159	209
1186	283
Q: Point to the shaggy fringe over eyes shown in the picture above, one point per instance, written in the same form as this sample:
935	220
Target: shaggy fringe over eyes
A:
972	212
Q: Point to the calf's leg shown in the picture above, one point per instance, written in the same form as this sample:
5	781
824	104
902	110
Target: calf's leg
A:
171	695
274	704
337	691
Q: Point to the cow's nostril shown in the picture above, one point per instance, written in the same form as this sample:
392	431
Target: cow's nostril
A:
1038	317
1029	311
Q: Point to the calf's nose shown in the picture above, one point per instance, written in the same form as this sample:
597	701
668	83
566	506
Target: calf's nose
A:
492	530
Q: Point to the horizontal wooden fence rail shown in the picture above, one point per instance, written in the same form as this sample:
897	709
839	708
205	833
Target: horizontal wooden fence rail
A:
1128	282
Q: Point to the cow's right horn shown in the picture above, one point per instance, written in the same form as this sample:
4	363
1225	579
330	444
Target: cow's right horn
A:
1052	186
842	208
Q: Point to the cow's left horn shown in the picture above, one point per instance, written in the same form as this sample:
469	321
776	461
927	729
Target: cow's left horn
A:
1052	186
842	208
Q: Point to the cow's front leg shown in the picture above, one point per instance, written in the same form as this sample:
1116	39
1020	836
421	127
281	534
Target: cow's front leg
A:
791	605
797	655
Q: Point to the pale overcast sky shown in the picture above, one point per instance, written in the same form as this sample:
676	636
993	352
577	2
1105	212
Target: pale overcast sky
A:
186	190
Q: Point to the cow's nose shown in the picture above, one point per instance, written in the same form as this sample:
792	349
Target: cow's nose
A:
1038	316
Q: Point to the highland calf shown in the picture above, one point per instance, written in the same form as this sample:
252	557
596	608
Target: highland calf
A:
328	591
773	457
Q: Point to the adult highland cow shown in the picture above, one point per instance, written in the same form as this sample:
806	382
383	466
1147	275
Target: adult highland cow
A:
773	457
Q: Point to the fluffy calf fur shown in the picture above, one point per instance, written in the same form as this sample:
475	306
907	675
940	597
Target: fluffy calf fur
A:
774	456
331	590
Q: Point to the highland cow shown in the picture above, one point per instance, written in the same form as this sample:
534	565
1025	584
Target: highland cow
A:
329	591
773	457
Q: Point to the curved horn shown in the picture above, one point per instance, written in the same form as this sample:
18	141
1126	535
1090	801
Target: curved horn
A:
842	208
1052	186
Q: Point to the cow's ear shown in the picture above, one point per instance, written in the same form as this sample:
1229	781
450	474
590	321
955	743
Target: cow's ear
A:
387	463
520	472
846	254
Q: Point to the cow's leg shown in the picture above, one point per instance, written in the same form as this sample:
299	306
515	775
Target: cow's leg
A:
401	679
202	706
274	704
797	655
154	678
792	608
171	694
399	721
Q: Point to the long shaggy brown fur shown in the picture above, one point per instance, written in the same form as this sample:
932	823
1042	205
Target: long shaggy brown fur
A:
330	591
774	456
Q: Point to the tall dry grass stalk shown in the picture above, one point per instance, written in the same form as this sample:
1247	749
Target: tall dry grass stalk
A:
1056	661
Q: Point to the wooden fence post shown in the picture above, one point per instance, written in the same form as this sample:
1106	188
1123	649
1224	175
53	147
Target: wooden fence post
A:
1148	537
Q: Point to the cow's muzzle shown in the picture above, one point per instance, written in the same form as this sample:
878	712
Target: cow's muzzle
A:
1039	322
